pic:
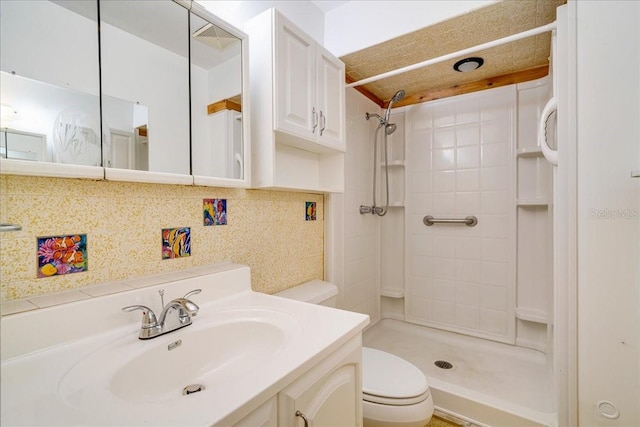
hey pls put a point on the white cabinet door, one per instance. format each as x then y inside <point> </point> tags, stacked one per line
<point>295,65</point>
<point>330,99</point>
<point>332,401</point>
<point>265,416</point>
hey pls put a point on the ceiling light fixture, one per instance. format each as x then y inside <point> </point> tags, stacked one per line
<point>468,64</point>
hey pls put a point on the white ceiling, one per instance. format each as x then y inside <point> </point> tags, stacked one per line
<point>327,5</point>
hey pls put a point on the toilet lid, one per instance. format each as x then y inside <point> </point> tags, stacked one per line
<point>389,376</point>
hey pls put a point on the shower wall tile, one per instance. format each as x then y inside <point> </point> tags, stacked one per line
<point>495,155</point>
<point>444,312</point>
<point>470,116</point>
<point>421,245</point>
<point>445,116</point>
<point>467,316</point>
<point>493,178</point>
<point>444,246</point>
<point>443,159</point>
<point>420,181</point>
<point>468,180</point>
<point>493,321</point>
<point>468,135</point>
<point>494,131</point>
<point>443,204</point>
<point>493,297</point>
<point>467,270</point>
<point>495,226</point>
<point>444,181</point>
<point>470,280</point>
<point>467,248</point>
<point>422,202</point>
<point>468,293</point>
<point>467,202</point>
<point>495,202</point>
<point>422,267</point>
<point>494,249</point>
<point>494,273</point>
<point>468,157</point>
<point>444,290</point>
<point>444,137</point>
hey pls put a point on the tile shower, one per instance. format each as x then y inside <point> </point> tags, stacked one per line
<point>475,155</point>
<point>461,278</point>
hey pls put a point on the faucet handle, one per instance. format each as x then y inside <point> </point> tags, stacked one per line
<point>193,292</point>
<point>149,319</point>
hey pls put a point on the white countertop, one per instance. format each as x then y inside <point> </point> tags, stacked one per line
<point>49,384</point>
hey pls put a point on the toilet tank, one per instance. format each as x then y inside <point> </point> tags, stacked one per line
<point>314,292</point>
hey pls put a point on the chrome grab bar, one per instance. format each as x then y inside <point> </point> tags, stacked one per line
<point>470,221</point>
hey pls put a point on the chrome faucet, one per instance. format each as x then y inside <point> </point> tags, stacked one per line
<point>175,315</point>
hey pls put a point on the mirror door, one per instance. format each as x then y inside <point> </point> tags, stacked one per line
<point>145,85</point>
<point>216,99</point>
<point>49,81</point>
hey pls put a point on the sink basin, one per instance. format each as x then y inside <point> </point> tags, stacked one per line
<point>209,354</point>
<point>199,357</point>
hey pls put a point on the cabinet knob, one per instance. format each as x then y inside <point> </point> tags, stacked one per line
<point>301,415</point>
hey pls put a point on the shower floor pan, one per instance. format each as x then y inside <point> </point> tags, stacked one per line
<point>490,383</point>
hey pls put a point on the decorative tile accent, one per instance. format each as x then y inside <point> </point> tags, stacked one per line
<point>58,255</point>
<point>114,214</point>
<point>176,242</point>
<point>214,211</point>
<point>310,211</point>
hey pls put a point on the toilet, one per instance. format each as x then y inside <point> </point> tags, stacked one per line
<point>395,393</point>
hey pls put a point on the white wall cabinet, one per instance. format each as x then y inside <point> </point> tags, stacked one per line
<point>309,87</point>
<point>298,109</point>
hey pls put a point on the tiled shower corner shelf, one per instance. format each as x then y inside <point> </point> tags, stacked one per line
<point>531,315</point>
<point>393,163</point>
<point>392,293</point>
<point>528,152</point>
<point>537,201</point>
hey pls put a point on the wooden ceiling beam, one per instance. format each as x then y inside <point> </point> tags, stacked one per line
<point>490,83</point>
<point>366,92</point>
<point>461,89</point>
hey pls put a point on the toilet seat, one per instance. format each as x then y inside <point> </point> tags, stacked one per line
<point>390,380</point>
<point>395,402</point>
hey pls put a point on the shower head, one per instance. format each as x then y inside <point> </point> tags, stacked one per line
<point>398,96</point>
<point>390,128</point>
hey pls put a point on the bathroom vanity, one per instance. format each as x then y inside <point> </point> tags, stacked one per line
<point>247,359</point>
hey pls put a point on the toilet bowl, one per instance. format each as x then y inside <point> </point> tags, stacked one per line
<point>395,393</point>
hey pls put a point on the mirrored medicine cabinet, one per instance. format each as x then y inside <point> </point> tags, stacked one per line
<point>153,91</point>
